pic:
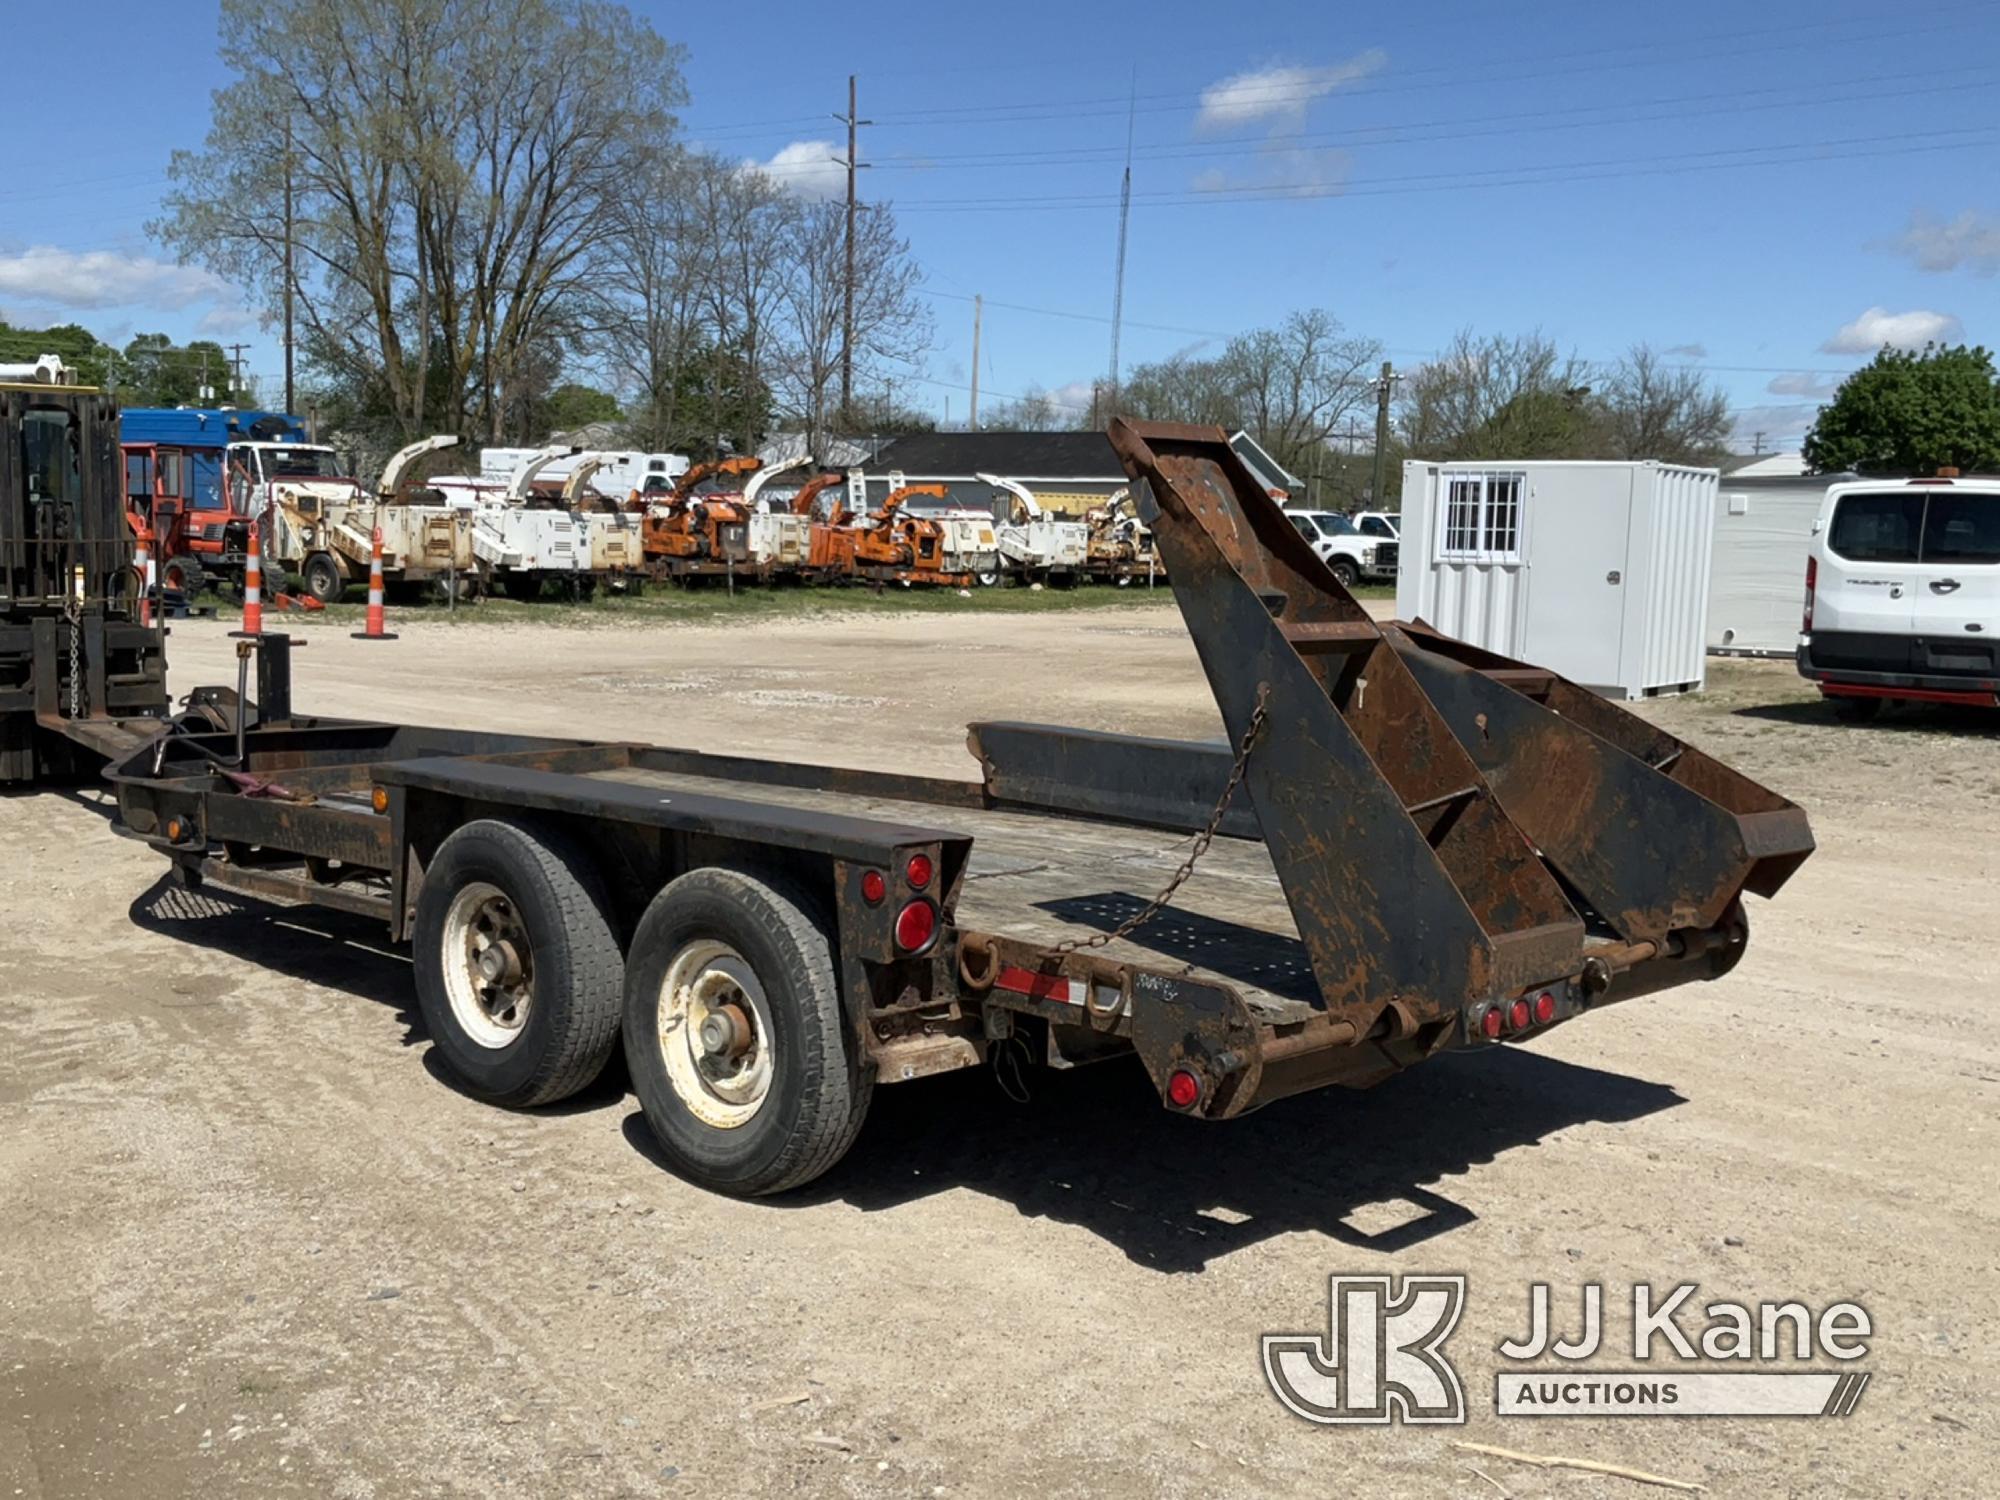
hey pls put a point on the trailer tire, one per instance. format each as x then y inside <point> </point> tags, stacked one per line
<point>532,897</point>
<point>716,941</point>
<point>324,579</point>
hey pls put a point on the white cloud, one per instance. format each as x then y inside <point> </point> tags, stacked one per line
<point>1076,396</point>
<point>1935,245</point>
<point>1805,383</point>
<point>1781,427</point>
<point>104,278</point>
<point>808,168</point>
<point>1280,93</point>
<point>227,320</point>
<point>1292,172</point>
<point>1904,330</point>
<point>1688,351</point>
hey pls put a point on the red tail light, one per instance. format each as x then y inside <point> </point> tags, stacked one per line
<point>919,870</point>
<point>1183,1089</point>
<point>1490,1024</point>
<point>1812,582</point>
<point>1518,1015</point>
<point>916,925</point>
<point>873,887</point>
<point>1545,1008</point>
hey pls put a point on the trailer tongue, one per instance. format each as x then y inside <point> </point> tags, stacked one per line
<point>1404,846</point>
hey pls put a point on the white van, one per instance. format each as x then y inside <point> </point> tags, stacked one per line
<point>1903,594</point>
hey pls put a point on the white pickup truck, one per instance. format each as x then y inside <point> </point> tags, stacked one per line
<point>1354,557</point>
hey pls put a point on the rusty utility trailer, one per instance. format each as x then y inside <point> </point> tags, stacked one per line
<point>1405,847</point>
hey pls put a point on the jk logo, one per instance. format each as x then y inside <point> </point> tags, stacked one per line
<point>1379,1360</point>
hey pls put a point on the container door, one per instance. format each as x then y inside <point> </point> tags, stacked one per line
<point>1579,578</point>
<point>1956,600</point>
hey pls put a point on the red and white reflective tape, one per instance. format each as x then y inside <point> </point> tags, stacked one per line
<point>375,622</point>
<point>1059,988</point>
<point>253,585</point>
<point>143,557</point>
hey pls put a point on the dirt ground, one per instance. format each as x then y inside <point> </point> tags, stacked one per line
<point>255,1245</point>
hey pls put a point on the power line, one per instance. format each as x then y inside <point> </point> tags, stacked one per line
<point>1447,74</point>
<point>1443,75</point>
<point>1504,177</point>
<point>1380,136</point>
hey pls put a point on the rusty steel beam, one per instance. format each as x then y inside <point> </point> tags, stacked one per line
<point>1409,884</point>
<point>1654,835</point>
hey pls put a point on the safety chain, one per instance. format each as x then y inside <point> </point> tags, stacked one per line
<point>1197,849</point>
<point>73,607</point>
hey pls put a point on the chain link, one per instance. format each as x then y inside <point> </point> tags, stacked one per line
<point>74,609</point>
<point>1251,732</point>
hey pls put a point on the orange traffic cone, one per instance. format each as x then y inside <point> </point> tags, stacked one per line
<point>374,632</point>
<point>142,563</point>
<point>253,586</point>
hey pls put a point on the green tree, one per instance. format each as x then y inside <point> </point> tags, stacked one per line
<point>570,406</point>
<point>155,371</point>
<point>75,345</point>
<point>1909,413</point>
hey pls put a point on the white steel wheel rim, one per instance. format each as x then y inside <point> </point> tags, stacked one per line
<point>489,969</point>
<point>715,1034</point>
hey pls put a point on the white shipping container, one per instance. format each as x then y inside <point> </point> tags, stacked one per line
<point>1598,571</point>
<point>1763,531</point>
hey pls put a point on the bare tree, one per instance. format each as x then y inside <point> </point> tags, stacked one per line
<point>1511,397</point>
<point>892,326</point>
<point>1181,388</point>
<point>448,198</point>
<point>1295,384</point>
<point>1498,397</point>
<point>1035,410</point>
<point>1653,411</point>
<point>1290,387</point>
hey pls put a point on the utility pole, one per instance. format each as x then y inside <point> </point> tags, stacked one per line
<point>853,164</point>
<point>1757,443</point>
<point>236,367</point>
<point>291,394</point>
<point>972,422</point>
<point>1383,387</point>
<point>1124,215</point>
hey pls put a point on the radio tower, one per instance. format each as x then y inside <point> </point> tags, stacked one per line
<point>1124,213</point>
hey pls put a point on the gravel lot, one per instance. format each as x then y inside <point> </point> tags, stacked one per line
<point>255,1245</point>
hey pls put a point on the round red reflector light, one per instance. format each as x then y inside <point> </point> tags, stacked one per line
<point>1517,1015</point>
<point>919,870</point>
<point>1183,1089</point>
<point>1490,1024</point>
<point>873,887</point>
<point>1545,1008</point>
<point>916,924</point>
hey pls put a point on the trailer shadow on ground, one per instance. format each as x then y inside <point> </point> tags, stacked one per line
<point>1093,1148</point>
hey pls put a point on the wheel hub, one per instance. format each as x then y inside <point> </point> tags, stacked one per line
<point>489,965</point>
<point>725,1033</point>
<point>715,1033</point>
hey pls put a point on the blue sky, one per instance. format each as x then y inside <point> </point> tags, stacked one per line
<point>1767,190</point>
